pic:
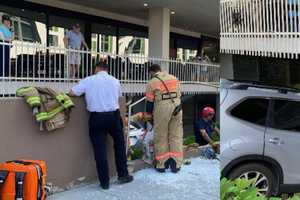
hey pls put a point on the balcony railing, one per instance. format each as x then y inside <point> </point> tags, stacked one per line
<point>260,27</point>
<point>24,64</point>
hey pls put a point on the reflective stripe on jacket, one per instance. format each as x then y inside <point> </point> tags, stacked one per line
<point>156,90</point>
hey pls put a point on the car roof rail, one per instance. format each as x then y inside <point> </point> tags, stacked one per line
<point>245,84</point>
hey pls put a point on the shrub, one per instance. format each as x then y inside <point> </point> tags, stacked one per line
<point>242,189</point>
<point>136,153</point>
<point>189,140</point>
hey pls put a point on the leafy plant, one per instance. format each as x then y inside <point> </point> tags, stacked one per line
<point>189,140</point>
<point>136,153</point>
<point>242,189</point>
<point>215,136</point>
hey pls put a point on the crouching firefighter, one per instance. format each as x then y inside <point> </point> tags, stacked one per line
<point>163,102</point>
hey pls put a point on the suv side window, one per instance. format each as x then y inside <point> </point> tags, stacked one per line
<point>286,115</point>
<point>253,110</point>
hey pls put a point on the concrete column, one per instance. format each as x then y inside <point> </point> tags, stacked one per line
<point>159,32</point>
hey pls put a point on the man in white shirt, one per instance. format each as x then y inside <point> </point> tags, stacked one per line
<point>74,41</point>
<point>102,92</point>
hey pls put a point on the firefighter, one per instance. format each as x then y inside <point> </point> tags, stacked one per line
<point>164,104</point>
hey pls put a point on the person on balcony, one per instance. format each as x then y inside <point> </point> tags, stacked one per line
<point>74,41</point>
<point>102,92</point>
<point>6,37</point>
<point>164,103</point>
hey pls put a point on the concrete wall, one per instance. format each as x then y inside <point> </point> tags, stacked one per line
<point>226,63</point>
<point>68,152</point>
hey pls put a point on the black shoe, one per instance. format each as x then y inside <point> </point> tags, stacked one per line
<point>105,186</point>
<point>167,163</point>
<point>176,170</point>
<point>125,179</point>
<point>173,166</point>
<point>160,170</point>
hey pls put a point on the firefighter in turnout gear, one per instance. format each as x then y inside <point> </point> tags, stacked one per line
<point>163,102</point>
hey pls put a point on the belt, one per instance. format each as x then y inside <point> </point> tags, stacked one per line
<point>104,113</point>
<point>167,96</point>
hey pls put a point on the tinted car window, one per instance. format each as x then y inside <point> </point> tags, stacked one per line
<point>252,110</point>
<point>286,115</point>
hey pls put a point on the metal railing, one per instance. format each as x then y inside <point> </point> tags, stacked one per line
<point>260,27</point>
<point>27,63</point>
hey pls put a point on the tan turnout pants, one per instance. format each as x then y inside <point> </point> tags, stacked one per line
<point>168,138</point>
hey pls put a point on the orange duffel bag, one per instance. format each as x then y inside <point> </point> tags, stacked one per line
<point>23,180</point>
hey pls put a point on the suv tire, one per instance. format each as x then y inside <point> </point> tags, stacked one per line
<point>267,182</point>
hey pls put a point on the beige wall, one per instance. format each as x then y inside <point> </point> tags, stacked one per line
<point>67,151</point>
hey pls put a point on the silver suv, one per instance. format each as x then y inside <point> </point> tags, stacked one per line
<point>260,135</point>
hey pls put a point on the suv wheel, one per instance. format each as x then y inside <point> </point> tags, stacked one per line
<point>265,181</point>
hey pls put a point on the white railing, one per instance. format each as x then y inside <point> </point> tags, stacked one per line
<point>34,64</point>
<point>260,27</point>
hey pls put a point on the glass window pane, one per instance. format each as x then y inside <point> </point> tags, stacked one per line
<point>186,54</point>
<point>286,115</point>
<point>27,33</point>
<point>132,42</point>
<point>16,30</point>
<point>105,38</point>
<point>210,48</point>
<point>252,110</point>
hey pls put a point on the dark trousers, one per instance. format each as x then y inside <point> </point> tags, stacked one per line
<point>4,60</point>
<point>100,124</point>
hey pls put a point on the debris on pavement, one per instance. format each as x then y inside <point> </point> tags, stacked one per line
<point>200,180</point>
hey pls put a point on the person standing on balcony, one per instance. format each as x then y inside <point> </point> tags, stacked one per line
<point>164,103</point>
<point>6,37</point>
<point>102,92</point>
<point>74,41</point>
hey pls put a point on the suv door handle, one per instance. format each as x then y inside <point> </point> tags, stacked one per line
<point>276,141</point>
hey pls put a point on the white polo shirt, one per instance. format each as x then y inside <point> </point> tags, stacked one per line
<point>102,92</point>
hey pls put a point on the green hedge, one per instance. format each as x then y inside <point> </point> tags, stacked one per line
<point>242,189</point>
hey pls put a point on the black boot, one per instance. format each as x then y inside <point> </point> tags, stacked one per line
<point>173,166</point>
<point>167,163</point>
<point>125,179</point>
<point>105,186</point>
<point>160,170</point>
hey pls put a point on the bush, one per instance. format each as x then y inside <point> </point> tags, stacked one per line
<point>215,136</point>
<point>136,153</point>
<point>189,140</point>
<point>242,189</point>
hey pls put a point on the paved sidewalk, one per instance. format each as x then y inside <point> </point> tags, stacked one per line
<point>198,181</point>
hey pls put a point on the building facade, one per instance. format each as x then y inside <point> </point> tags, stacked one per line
<point>260,40</point>
<point>129,43</point>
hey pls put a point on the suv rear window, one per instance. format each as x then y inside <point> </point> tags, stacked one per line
<point>253,110</point>
<point>286,115</point>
